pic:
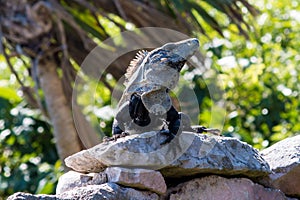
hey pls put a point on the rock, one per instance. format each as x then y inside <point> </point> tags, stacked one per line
<point>84,161</point>
<point>187,154</point>
<point>137,178</point>
<point>216,187</point>
<point>99,178</point>
<point>74,179</point>
<point>70,180</point>
<point>144,179</point>
<point>107,191</point>
<point>284,160</point>
<point>27,196</point>
<point>218,155</point>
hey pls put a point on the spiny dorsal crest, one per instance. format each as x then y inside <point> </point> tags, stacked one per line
<point>134,64</point>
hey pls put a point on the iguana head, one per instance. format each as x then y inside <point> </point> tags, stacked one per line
<point>172,55</point>
<point>162,65</point>
<point>151,74</point>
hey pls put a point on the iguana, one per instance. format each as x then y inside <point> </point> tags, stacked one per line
<point>146,104</point>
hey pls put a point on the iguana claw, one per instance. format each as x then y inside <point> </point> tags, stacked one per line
<point>170,136</point>
<point>115,137</point>
<point>203,129</point>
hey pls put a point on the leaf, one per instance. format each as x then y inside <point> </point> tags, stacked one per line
<point>9,94</point>
<point>206,17</point>
<point>45,186</point>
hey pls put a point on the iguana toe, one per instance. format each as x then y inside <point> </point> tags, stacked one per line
<point>203,129</point>
<point>115,137</point>
<point>170,136</point>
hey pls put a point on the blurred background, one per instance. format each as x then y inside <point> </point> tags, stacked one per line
<point>249,50</point>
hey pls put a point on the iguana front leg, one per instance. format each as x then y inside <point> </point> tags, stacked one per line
<point>117,133</point>
<point>118,129</point>
<point>173,120</point>
<point>178,121</point>
<point>135,110</point>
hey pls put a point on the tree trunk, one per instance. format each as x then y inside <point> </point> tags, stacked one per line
<point>67,141</point>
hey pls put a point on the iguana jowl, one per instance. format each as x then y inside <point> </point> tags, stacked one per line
<point>145,104</point>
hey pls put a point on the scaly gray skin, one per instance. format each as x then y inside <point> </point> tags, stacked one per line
<point>145,104</point>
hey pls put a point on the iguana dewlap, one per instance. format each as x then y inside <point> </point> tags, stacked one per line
<point>145,104</point>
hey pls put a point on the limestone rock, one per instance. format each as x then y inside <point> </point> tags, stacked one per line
<point>218,155</point>
<point>84,161</point>
<point>284,160</point>
<point>27,196</point>
<point>187,154</point>
<point>144,179</point>
<point>107,191</point>
<point>216,187</point>
<point>73,179</point>
<point>99,178</point>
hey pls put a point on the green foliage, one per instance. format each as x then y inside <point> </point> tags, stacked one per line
<point>28,157</point>
<point>260,76</point>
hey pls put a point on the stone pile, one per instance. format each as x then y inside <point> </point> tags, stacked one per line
<point>192,166</point>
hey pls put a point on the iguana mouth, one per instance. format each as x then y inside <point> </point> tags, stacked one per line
<point>178,53</point>
<point>183,49</point>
